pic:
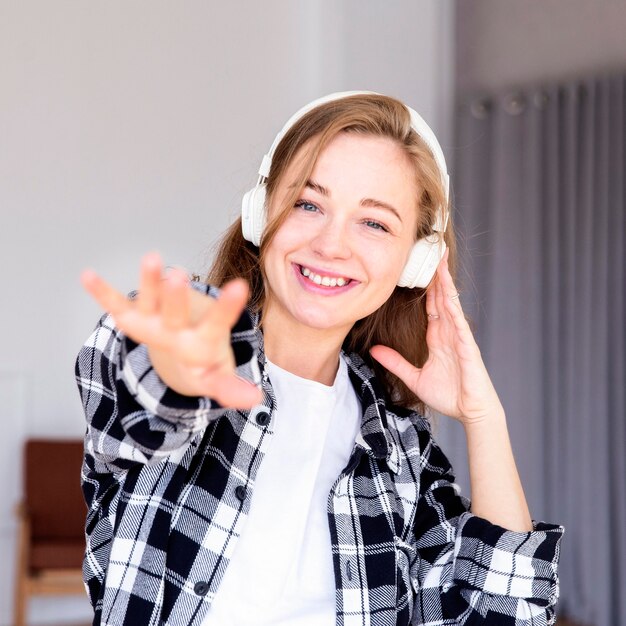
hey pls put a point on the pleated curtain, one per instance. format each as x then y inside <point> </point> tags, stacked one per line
<point>539,192</point>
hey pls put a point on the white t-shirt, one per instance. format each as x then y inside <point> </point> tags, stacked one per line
<point>282,572</point>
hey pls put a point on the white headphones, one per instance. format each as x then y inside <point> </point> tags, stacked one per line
<point>425,254</point>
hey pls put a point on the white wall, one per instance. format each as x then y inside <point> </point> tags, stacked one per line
<point>131,126</point>
<point>503,43</point>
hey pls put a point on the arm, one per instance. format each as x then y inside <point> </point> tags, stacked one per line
<point>138,411</point>
<point>455,382</point>
<point>470,569</point>
<point>492,560</point>
<point>497,493</point>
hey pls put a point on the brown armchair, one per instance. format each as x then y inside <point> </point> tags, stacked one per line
<point>51,517</point>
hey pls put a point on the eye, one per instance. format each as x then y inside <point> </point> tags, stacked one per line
<point>376,225</point>
<point>305,205</point>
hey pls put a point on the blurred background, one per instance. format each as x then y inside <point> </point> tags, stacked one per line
<point>133,126</point>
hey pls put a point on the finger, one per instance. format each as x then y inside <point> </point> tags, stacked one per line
<point>431,306</point>
<point>105,295</point>
<point>396,364</point>
<point>175,300</point>
<point>231,302</point>
<point>454,309</point>
<point>440,304</point>
<point>234,392</point>
<point>149,281</point>
<point>445,304</point>
<point>450,291</point>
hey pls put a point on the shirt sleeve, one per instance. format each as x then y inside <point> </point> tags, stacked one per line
<point>472,571</point>
<point>132,416</point>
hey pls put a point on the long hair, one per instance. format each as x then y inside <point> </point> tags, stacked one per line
<point>400,322</point>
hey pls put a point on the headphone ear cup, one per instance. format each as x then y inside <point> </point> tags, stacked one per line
<point>422,262</point>
<point>253,214</point>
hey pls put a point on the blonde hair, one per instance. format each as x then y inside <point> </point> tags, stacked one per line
<point>401,321</point>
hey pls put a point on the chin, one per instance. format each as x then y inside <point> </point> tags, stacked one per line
<point>322,320</point>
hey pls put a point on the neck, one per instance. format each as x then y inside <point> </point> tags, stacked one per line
<point>306,352</point>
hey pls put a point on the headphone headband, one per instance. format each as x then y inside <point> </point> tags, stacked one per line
<point>417,124</point>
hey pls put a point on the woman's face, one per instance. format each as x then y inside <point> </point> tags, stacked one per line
<point>339,254</point>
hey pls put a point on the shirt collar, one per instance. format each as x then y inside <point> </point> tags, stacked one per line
<point>374,435</point>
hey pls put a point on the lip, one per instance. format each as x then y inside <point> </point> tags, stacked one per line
<point>322,272</point>
<point>312,287</point>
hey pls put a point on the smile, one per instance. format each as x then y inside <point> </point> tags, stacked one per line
<point>325,281</point>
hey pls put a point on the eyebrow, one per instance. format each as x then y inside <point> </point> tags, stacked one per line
<point>366,202</point>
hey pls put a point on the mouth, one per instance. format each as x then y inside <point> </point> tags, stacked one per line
<point>324,280</point>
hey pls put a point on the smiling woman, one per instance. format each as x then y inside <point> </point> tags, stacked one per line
<point>260,453</point>
<point>421,181</point>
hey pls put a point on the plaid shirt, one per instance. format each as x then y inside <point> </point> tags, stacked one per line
<point>168,480</point>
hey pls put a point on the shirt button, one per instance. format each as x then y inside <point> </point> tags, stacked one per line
<point>240,492</point>
<point>379,445</point>
<point>263,418</point>
<point>201,588</point>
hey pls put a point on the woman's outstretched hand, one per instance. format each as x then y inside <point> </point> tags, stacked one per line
<point>186,332</point>
<point>454,380</point>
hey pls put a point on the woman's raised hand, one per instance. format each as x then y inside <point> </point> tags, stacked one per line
<point>454,380</point>
<point>186,332</point>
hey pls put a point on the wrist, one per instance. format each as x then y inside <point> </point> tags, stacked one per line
<point>492,417</point>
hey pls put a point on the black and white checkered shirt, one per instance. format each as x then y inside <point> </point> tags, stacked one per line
<point>168,480</point>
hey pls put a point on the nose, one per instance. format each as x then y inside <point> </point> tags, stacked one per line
<point>332,241</point>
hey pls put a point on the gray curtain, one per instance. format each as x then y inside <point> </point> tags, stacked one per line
<point>539,192</point>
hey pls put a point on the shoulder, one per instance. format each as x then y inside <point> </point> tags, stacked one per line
<point>399,417</point>
<point>408,427</point>
<point>414,431</point>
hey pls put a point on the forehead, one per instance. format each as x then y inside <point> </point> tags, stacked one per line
<point>364,164</point>
<point>367,152</point>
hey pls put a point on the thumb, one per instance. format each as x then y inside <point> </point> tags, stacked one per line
<point>234,392</point>
<point>396,364</point>
<point>232,301</point>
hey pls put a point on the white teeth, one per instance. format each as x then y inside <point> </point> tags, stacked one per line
<point>326,281</point>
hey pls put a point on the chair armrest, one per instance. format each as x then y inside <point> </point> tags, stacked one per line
<point>20,510</point>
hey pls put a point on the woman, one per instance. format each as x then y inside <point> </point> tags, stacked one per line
<point>261,455</point>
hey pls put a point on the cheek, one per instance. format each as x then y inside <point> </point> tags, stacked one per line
<point>275,257</point>
<point>288,235</point>
<point>389,262</point>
